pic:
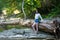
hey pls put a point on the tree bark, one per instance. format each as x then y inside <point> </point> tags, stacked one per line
<point>23,9</point>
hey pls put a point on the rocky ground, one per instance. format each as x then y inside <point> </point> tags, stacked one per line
<point>23,33</point>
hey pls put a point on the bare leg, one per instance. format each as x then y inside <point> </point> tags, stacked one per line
<point>33,27</point>
<point>37,27</point>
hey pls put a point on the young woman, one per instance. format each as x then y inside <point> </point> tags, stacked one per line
<point>37,16</point>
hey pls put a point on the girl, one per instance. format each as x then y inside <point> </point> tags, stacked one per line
<point>37,16</point>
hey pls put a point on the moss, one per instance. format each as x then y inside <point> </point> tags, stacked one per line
<point>16,26</point>
<point>1,29</point>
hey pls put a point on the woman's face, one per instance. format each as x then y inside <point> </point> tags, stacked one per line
<point>36,11</point>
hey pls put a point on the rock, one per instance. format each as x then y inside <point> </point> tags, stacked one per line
<point>18,33</point>
<point>16,36</point>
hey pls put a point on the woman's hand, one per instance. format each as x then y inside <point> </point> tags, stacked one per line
<point>42,20</point>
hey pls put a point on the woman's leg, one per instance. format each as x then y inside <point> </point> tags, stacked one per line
<point>33,27</point>
<point>37,27</point>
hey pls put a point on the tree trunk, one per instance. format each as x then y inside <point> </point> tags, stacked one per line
<point>23,9</point>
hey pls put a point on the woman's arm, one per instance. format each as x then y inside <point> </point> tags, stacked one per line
<point>40,17</point>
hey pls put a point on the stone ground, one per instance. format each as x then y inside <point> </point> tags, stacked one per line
<point>23,33</point>
<point>23,39</point>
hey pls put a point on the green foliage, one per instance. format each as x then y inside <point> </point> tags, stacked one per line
<point>54,12</point>
<point>50,7</point>
<point>11,5</point>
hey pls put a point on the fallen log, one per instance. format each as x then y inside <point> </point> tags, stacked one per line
<point>46,26</point>
<point>49,26</point>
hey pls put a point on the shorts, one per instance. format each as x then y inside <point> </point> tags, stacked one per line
<point>36,20</point>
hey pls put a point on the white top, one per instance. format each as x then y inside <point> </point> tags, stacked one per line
<point>37,16</point>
